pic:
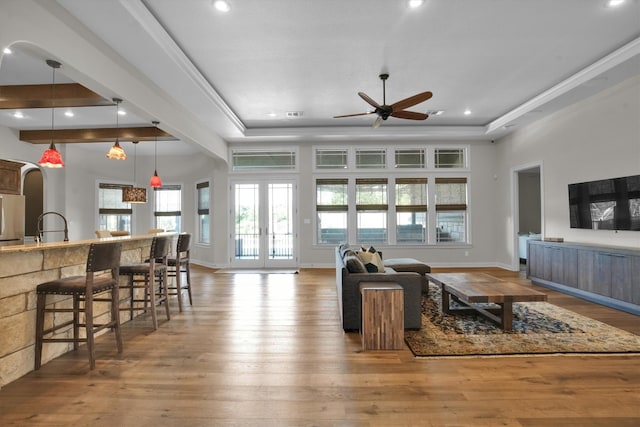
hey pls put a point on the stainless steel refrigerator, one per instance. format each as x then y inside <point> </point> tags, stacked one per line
<point>11,219</point>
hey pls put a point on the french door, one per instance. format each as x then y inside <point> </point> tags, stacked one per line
<point>263,233</point>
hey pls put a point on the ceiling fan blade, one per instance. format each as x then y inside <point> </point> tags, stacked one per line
<point>412,100</point>
<point>368,99</point>
<point>378,122</point>
<point>354,115</point>
<point>411,115</point>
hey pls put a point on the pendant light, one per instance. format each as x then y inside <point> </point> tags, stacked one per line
<point>155,182</point>
<point>116,152</point>
<point>51,158</point>
<point>134,194</point>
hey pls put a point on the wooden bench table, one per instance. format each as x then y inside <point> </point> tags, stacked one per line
<point>471,289</point>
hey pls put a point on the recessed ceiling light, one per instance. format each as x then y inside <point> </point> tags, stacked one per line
<point>271,114</point>
<point>122,112</point>
<point>7,51</point>
<point>18,115</point>
<point>221,6</point>
<point>467,112</point>
<point>614,3</point>
<point>69,113</point>
<point>294,114</point>
<point>435,112</point>
<point>415,3</point>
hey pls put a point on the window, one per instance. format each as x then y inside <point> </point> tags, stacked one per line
<point>113,213</point>
<point>451,207</point>
<point>168,207</point>
<point>331,159</point>
<point>331,207</point>
<point>263,160</point>
<point>202,191</point>
<point>410,158</point>
<point>371,209</point>
<point>371,159</point>
<point>411,210</point>
<point>449,158</point>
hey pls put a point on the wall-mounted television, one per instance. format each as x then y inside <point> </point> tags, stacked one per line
<point>606,204</point>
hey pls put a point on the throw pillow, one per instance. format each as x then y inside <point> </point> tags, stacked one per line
<point>354,264</point>
<point>371,261</point>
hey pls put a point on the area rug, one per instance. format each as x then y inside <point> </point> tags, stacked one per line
<point>538,328</point>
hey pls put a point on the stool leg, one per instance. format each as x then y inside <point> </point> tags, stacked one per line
<point>150,288</point>
<point>178,286</point>
<point>40,304</point>
<point>115,316</point>
<point>187,269</point>
<point>88,322</point>
<point>76,321</point>
<point>165,291</point>
<point>131,295</point>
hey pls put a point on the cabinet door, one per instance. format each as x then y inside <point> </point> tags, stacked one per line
<point>603,273</point>
<point>568,275</point>
<point>535,260</point>
<point>634,267</point>
<point>621,277</point>
<point>586,270</point>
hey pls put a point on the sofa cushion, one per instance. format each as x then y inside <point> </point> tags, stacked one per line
<point>354,264</point>
<point>408,264</point>
<point>371,261</point>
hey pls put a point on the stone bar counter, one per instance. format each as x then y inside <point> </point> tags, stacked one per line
<point>22,269</point>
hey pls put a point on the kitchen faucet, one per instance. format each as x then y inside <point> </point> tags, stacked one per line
<point>41,231</point>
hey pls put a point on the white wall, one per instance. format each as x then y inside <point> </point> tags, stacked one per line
<point>595,139</point>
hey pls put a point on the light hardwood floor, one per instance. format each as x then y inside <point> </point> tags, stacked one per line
<point>268,350</point>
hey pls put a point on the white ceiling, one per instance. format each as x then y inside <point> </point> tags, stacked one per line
<point>508,62</point>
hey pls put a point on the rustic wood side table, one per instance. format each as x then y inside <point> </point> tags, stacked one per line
<point>382,316</point>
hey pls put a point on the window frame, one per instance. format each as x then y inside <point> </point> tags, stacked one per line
<point>178,214</point>
<point>112,211</point>
<point>202,237</point>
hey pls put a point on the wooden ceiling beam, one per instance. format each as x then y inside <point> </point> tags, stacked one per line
<point>75,136</point>
<point>40,96</point>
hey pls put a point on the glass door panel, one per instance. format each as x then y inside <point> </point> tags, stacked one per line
<point>264,224</point>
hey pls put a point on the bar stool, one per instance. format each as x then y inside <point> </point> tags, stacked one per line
<point>179,264</point>
<point>102,257</point>
<point>156,266</point>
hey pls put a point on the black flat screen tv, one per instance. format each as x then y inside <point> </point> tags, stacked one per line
<point>606,204</point>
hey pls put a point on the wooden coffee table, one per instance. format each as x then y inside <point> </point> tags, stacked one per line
<point>471,289</point>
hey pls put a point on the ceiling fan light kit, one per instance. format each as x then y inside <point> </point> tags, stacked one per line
<point>396,109</point>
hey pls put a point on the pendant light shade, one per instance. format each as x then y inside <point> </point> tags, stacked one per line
<point>116,152</point>
<point>155,181</point>
<point>134,194</point>
<point>51,158</point>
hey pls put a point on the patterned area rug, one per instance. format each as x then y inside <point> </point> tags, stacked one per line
<point>538,328</point>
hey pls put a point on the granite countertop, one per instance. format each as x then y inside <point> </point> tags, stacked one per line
<point>74,243</point>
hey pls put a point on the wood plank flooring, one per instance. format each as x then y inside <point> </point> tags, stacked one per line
<point>268,350</point>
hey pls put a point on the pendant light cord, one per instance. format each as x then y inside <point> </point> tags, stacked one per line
<point>53,103</point>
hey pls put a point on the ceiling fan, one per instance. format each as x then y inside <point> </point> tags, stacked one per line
<point>396,109</point>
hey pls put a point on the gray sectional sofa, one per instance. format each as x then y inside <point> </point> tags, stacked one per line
<point>350,271</point>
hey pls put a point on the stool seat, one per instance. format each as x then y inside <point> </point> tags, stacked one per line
<point>142,268</point>
<point>75,285</point>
